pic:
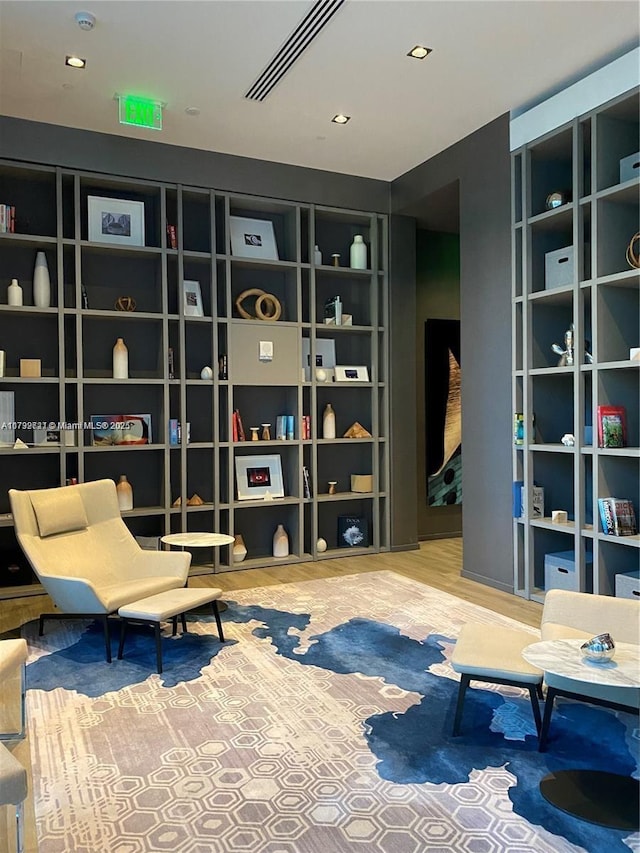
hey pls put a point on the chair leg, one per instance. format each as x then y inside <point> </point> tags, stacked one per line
<point>107,639</point>
<point>216,613</point>
<point>464,683</point>
<point>124,624</point>
<point>535,706</point>
<point>546,720</point>
<point>174,625</point>
<point>539,691</point>
<point>41,625</point>
<point>20,828</point>
<point>158,646</point>
<point>183,620</point>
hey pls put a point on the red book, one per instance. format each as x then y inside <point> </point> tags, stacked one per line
<point>240,428</point>
<point>234,427</point>
<point>612,426</point>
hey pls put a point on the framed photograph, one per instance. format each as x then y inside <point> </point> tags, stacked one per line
<point>351,373</point>
<point>253,238</point>
<point>325,358</point>
<point>115,220</point>
<point>109,430</point>
<point>192,299</point>
<point>259,477</point>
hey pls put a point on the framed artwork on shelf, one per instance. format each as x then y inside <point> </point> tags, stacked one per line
<point>115,220</point>
<point>108,430</point>
<point>192,299</point>
<point>612,426</point>
<point>351,373</point>
<point>259,477</point>
<point>253,238</point>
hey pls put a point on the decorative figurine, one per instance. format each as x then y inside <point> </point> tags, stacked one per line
<point>254,433</point>
<point>568,440</point>
<point>266,432</point>
<point>566,354</point>
<point>332,486</point>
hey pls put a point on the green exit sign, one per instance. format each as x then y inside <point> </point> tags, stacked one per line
<point>141,112</point>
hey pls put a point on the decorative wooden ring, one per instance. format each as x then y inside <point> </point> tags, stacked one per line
<point>125,303</point>
<point>267,306</point>
<point>272,305</point>
<point>633,256</point>
<point>242,311</point>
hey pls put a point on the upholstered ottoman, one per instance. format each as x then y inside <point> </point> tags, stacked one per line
<point>13,659</point>
<point>494,654</point>
<point>13,790</point>
<point>164,606</point>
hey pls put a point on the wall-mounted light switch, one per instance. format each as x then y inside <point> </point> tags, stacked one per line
<point>266,351</point>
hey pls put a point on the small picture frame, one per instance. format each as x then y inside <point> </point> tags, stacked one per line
<point>115,220</point>
<point>259,477</point>
<point>192,299</point>
<point>351,373</point>
<point>253,238</point>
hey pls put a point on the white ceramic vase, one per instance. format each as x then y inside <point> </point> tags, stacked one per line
<point>317,256</point>
<point>328,422</point>
<point>14,293</point>
<point>358,253</point>
<point>41,282</point>
<point>239,549</point>
<point>120,360</point>
<point>280,542</point>
<point>125,494</point>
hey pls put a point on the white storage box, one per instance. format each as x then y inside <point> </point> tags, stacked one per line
<point>560,570</point>
<point>559,268</point>
<point>630,167</point>
<point>628,585</point>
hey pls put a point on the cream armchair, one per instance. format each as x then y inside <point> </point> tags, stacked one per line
<point>579,616</point>
<point>84,555</point>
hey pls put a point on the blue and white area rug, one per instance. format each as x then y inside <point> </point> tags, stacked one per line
<point>323,725</point>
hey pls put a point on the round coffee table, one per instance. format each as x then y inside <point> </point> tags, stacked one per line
<point>597,796</point>
<point>199,540</point>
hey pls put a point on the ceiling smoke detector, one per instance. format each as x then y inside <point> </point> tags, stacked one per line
<point>85,20</point>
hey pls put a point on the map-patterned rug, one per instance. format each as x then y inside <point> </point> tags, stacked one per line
<point>322,725</point>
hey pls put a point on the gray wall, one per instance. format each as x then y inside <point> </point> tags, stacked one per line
<point>481,163</point>
<point>437,298</point>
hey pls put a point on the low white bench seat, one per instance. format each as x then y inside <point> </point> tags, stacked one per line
<point>493,653</point>
<point>165,606</point>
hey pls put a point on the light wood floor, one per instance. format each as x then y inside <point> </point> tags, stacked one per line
<point>437,564</point>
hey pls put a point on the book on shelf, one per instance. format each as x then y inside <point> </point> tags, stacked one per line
<point>222,367</point>
<point>290,428</point>
<point>617,517</point>
<point>281,428</point>
<point>612,426</point>
<point>306,427</point>
<point>537,501</point>
<point>238,428</point>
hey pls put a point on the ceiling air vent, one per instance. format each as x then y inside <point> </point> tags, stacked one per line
<point>295,45</point>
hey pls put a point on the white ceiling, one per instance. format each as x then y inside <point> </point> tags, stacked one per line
<point>488,58</point>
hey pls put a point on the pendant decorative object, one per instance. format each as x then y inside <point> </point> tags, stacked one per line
<point>280,542</point>
<point>125,494</point>
<point>328,422</point>
<point>358,253</point>
<point>14,293</point>
<point>41,282</point>
<point>120,360</point>
<point>239,549</point>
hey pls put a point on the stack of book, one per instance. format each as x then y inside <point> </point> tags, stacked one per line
<point>7,219</point>
<point>285,428</point>
<point>617,516</point>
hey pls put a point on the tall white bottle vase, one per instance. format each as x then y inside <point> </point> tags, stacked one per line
<point>358,253</point>
<point>124,492</point>
<point>280,542</point>
<point>328,422</point>
<point>120,360</point>
<point>41,282</point>
<point>317,256</point>
<point>14,293</point>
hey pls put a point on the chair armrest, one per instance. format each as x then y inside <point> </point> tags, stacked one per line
<point>72,595</point>
<point>169,564</point>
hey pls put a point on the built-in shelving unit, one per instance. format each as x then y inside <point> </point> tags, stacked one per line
<point>595,224</point>
<point>74,341</point>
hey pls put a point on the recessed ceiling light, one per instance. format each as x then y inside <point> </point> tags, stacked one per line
<point>340,119</point>
<point>192,111</point>
<point>75,62</point>
<point>419,52</point>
